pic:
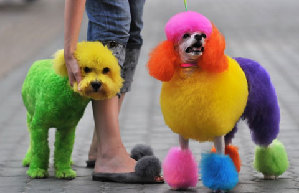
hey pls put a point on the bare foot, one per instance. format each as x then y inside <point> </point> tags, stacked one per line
<point>119,162</point>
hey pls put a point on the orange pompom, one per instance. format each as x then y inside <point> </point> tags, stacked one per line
<point>233,153</point>
<point>162,61</point>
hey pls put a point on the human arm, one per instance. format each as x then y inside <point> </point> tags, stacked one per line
<point>73,15</point>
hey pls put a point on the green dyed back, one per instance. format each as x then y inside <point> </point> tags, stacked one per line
<point>49,99</point>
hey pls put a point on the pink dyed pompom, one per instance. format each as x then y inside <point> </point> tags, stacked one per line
<point>180,168</point>
<point>188,21</point>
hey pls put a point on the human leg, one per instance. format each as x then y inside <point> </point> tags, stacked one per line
<point>92,154</point>
<point>112,156</point>
<point>134,44</point>
<point>119,52</point>
<point>109,22</point>
<point>136,11</point>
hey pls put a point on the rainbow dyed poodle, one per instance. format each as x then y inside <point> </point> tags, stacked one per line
<point>204,94</point>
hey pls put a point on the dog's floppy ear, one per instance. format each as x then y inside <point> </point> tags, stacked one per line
<point>59,63</point>
<point>213,58</point>
<point>161,64</point>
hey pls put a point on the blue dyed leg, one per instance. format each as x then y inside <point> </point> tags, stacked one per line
<point>218,171</point>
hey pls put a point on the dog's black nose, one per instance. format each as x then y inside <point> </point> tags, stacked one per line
<point>197,44</point>
<point>96,85</point>
<point>198,37</point>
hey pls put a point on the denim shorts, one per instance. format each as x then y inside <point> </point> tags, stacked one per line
<point>118,24</point>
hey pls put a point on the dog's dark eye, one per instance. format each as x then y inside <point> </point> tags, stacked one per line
<point>87,70</point>
<point>106,70</point>
<point>186,36</point>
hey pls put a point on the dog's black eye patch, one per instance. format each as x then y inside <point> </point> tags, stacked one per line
<point>204,35</point>
<point>185,36</point>
<point>106,70</point>
<point>87,70</point>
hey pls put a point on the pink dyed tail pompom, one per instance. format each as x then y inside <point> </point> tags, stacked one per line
<point>180,169</point>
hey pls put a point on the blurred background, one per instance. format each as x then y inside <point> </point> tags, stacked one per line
<point>266,31</point>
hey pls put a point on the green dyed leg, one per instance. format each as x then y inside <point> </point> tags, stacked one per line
<point>27,159</point>
<point>39,152</point>
<point>64,141</point>
<point>272,161</point>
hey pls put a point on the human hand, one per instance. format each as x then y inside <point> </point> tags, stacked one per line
<point>73,70</point>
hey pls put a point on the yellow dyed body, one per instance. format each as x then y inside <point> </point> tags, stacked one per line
<point>202,105</point>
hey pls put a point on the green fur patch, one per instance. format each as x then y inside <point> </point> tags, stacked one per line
<point>272,160</point>
<point>50,103</point>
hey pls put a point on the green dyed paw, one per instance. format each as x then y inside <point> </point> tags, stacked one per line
<point>65,174</point>
<point>26,161</point>
<point>272,161</point>
<point>37,173</point>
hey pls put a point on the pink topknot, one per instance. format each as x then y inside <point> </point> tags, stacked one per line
<point>188,21</point>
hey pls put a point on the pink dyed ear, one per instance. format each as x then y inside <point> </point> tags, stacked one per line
<point>161,64</point>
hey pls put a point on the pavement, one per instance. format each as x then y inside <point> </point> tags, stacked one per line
<point>266,31</point>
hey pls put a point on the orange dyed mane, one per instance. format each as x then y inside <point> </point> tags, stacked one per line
<point>164,59</point>
<point>213,58</point>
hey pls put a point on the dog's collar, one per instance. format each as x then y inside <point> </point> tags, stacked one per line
<point>185,65</point>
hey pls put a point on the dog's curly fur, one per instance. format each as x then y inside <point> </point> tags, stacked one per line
<point>52,103</point>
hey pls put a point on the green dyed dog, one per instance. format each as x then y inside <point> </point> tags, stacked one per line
<point>52,103</point>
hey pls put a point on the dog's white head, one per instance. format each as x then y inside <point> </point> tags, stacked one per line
<point>191,46</point>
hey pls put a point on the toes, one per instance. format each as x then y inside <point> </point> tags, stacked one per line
<point>65,174</point>
<point>26,163</point>
<point>37,173</point>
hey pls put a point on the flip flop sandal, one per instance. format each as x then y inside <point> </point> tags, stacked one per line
<point>127,178</point>
<point>137,152</point>
<point>147,171</point>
